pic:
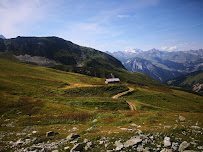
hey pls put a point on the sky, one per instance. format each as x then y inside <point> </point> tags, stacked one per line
<point>108,25</point>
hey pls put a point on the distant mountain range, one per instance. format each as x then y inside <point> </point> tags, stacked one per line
<point>161,65</point>
<point>1,36</point>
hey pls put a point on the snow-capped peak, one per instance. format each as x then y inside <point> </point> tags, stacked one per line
<point>133,51</point>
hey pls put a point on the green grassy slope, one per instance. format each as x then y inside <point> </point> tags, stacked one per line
<point>33,90</point>
<point>187,81</point>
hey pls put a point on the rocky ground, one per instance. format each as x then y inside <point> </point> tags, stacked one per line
<point>132,138</point>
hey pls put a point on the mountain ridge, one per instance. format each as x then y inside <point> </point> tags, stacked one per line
<point>169,64</point>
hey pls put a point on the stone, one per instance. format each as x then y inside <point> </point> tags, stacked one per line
<point>189,151</point>
<point>119,145</point>
<point>72,136</point>
<point>166,150</point>
<point>95,120</point>
<point>196,127</point>
<point>34,132</point>
<point>167,142</point>
<point>139,132</point>
<point>183,146</point>
<point>85,140</point>
<point>174,146</point>
<point>132,142</point>
<point>89,145</point>
<point>78,147</point>
<point>106,145</point>
<point>140,148</point>
<point>200,147</point>
<point>66,148</point>
<point>101,142</point>
<point>75,129</point>
<point>19,142</point>
<point>27,141</point>
<point>54,151</point>
<point>181,118</point>
<point>50,133</point>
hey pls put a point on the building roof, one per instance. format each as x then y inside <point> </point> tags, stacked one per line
<point>112,79</point>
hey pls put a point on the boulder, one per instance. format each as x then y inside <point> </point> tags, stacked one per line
<point>167,142</point>
<point>174,146</point>
<point>119,145</point>
<point>95,120</point>
<point>78,147</point>
<point>50,133</point>
<point>89,145</point>
<point>72,136</point>
<point>183,146</point>
<point>132,142</point>
<point>196,127</point>
<point>181,118</point>
<point>19,142</point>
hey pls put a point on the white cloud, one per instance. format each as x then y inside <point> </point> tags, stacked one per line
<point>166,48</point>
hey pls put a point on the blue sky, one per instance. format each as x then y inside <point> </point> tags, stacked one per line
<point>108,25</point>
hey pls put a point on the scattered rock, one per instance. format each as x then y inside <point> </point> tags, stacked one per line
<point>183,146</point>
<point>78,147</point>
<point>95,120</point>
<point>195,127</point>
<point>139,132</point>
<point>200,147</point>
<point>101,142</point>
<point>106,145</point>
<point>91,128</point>
<point>19,142</point>
<point>51,133</point>
<point>174,146</point>
<point>85,140</point>
<point>119,145</point>
<point>66,148</point>
<point>167,142</point>
<point>72,136</point>
<point>181,118</point>
<point>89,145</point>
<point>75,129</point>
<point>132,142</point>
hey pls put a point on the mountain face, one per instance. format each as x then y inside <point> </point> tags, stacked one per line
<point>2,37</point>
<point>162,65</point>
<point>144,66</point>
<point>192,81</point>
<point>59,51</point>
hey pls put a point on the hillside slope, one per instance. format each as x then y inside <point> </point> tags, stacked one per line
<point>37,101</point>
<point>63,55</point>
<point>58,50</point>
<point>192,81</point>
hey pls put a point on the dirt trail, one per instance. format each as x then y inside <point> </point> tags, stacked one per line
<point>131,105</point>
